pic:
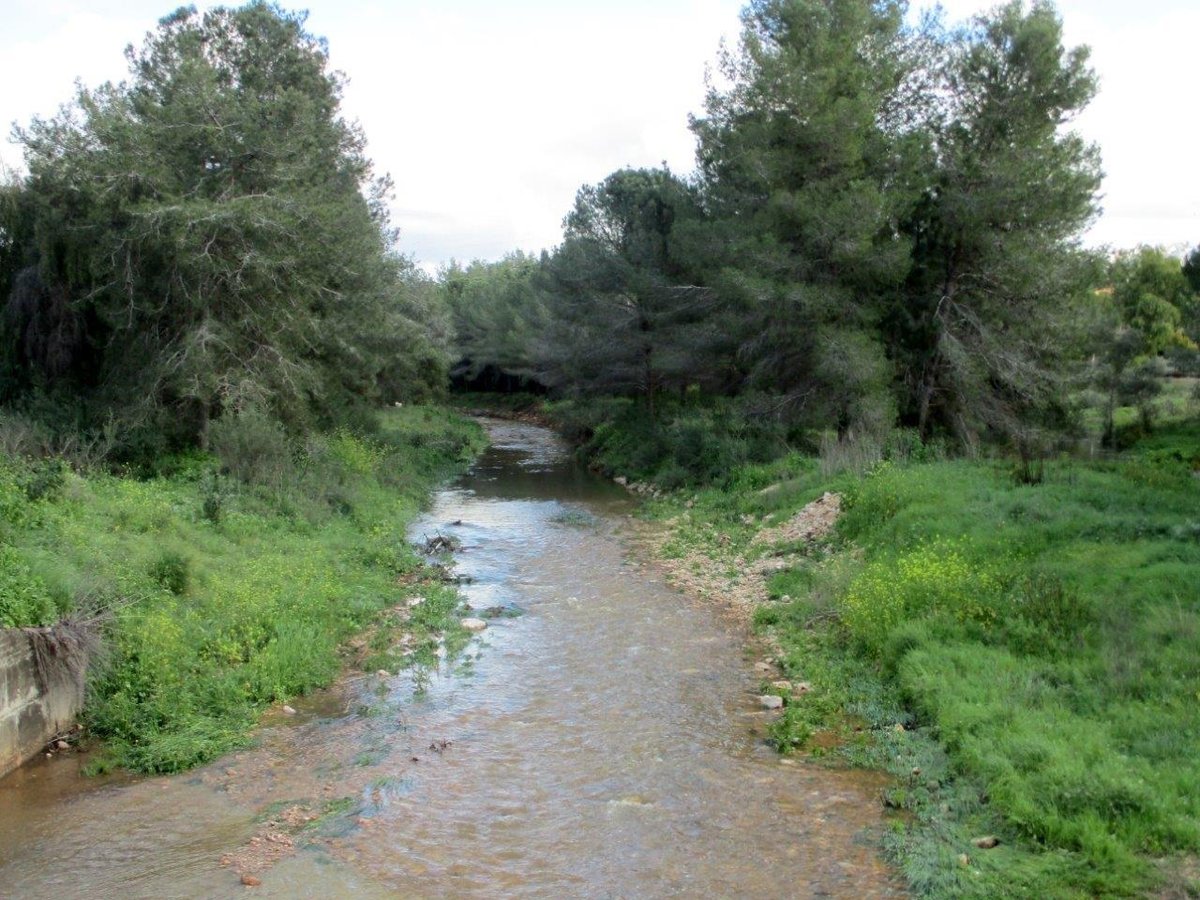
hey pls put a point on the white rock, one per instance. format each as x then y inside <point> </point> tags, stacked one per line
<point>770,701</point>
<point>415,601</point>
<point>473,624</point>
<point>288,711</point>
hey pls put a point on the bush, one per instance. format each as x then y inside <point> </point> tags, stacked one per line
<point>172,571</point>
<point>935,578</point>
<point>253,447</point>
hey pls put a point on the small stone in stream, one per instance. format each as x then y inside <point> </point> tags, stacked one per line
<point>770,701</point>
<point>231,772</point>
<point>986,843</point>
<point>473,624</point>
<point>61,745</point>
<point>288,711</point>
<point>781,685</point>
<point>251,881</point>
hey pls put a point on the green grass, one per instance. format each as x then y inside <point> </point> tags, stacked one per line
<point>1025,659</point>
<point>218,597</point>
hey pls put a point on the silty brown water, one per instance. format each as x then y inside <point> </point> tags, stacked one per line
<point>606,743</point>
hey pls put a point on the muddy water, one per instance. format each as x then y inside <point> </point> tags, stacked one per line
<point>604,743</point>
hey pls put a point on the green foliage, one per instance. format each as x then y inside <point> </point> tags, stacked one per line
<point>499,317</point>
<point>255,608</point>
<point>252,446</point>
<point>683,444</point>
<point>1152,293</point>
<point>1020,657</point>
<point>882,230</point>
<point>172,571</point>
<point>24,598</point>
<point>206,239</point>
<point>626,316</point>
<point>933,579</point>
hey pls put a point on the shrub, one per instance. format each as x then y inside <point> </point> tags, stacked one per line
<point>870,501</point>
<point>172,571</point>
<point>252,447</point>
<point>935,578</point>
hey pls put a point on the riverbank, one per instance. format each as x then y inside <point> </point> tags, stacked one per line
<point>1015,645</point>
<point>218,588</point>
<point>602,736</point>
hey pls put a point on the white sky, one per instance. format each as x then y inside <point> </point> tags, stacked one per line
<point>489,116</point>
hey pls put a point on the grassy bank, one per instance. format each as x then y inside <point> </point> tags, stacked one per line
<point>222,585</point>
<point>1021,656</point>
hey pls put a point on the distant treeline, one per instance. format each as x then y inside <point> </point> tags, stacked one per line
<point>204,240</point>
<point>883,229</point>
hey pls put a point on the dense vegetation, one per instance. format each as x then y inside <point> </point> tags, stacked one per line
<point>883,230</point>
<point>217,594</point>
<point>1014,643</point>
<point>206,240</point>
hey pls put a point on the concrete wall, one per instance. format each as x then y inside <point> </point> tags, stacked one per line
<point>31,712</point>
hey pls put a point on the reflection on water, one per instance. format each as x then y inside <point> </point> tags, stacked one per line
<point>599,745</point>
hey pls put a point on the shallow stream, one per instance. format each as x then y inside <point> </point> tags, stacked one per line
<point>606,742</point>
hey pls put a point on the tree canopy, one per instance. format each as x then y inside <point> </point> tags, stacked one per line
<point>209,236</point>
<point>883,228</point>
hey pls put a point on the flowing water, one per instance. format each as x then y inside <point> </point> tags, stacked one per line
<point>604,743</point>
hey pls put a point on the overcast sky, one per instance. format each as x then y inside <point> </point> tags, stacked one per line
<point>489,116</point>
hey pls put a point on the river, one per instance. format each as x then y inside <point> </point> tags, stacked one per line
<point>605,742</point>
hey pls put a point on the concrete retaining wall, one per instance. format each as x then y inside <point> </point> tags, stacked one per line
<point>34,706</point>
